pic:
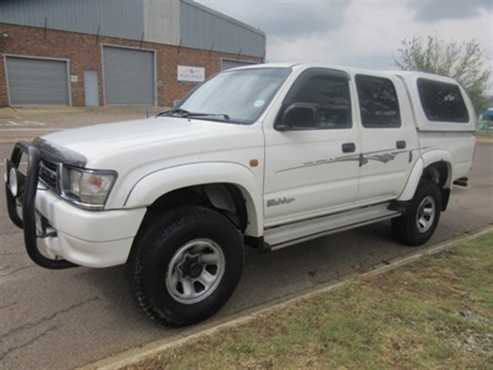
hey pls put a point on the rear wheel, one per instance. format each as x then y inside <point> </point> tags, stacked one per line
<point>186,266</point>
<point>418,223</point>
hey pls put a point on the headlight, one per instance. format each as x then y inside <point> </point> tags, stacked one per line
<point>87,188</point>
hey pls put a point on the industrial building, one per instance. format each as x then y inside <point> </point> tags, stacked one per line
<point>116,52</point>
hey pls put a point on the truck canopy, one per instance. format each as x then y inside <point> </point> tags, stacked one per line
<point>439,103</point>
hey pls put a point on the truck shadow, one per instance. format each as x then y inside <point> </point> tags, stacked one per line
<point>271,276</point>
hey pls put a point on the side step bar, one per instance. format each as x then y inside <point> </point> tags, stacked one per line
<point>285,235</point>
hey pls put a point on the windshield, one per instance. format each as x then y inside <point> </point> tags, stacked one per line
<point>239,96</point>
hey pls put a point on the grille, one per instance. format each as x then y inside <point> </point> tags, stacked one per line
<point>48,173</point>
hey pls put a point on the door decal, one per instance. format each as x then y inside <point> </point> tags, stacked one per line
<point>382,156</point>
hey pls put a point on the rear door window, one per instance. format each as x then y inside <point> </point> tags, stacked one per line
<point>379,105</point>
<point>442,102</point>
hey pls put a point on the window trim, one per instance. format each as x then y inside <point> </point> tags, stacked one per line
<point>419,82</point>
<point>296,86</point>
<point>373,125</point>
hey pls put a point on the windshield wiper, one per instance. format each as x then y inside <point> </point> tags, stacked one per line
<point>172,112</point>
<point>187,114</point>
<point>225,116</point>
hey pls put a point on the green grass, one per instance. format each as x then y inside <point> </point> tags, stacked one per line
<point>485,133</point>
<point>434,314</point>
<point>485,137</point>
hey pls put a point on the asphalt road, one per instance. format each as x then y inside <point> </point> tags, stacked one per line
<point>64,319</point>
<point>25,123</point>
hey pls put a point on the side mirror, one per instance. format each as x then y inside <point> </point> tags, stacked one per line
<point>298,116</point>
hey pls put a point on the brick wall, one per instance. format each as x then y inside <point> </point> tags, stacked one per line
<point>84,53</point>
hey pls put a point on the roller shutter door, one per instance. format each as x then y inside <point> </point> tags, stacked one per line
<point>37,81</point>
<point>229,63</point>
<point>128,76</point>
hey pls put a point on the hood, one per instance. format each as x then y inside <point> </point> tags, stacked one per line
<point>151,138</point>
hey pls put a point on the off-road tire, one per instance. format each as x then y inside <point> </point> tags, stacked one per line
<point>153,251</point>
<point>405,228</point>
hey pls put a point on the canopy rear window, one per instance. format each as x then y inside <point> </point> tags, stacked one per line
<point>442,102</point>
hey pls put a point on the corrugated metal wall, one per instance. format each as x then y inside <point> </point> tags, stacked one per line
<point>162,21</point>
<point>119,18</point>
<point>203,28</point>
<point>228,64</point>
<point>172,22</point>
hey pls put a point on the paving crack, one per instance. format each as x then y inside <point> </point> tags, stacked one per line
<point>7,306</point>
<point>10,233</point>
<point>10,253</point>
<point>28,343</point>
<point>12,272</point>
<point>44,319</point>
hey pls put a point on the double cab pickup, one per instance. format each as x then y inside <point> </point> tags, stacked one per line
<point>266,156</point>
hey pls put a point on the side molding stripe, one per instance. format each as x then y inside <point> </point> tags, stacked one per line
<point>382,156</point>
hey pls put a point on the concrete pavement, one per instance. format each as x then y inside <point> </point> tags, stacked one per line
<point>26,123</point>
<point>63,319</point>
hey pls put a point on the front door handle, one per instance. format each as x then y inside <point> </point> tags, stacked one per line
<point>401,144</point>
<point>348,148</point>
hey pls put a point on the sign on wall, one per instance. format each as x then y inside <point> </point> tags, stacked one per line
<point>191,74</point>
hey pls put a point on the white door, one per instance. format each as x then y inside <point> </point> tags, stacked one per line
<point>91,89</point>
<point>312,163</point>
<point>388,138</point>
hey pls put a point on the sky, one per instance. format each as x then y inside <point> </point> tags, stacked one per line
<point>362,33</point>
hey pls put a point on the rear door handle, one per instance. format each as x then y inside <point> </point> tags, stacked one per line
<point>401,144</point>
<point>348,148</point>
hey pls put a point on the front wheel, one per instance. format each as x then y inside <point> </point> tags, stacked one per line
<point>418,223</point>
<point>186,266</point>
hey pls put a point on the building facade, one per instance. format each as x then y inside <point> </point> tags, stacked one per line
<point>115,52</point>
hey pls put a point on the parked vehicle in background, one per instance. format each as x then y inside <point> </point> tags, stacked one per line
<point>486,121</point>
<point>268,156</point>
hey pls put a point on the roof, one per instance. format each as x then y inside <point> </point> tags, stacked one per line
<point>355,70</point>
<point>223,16</point>
<point>173,22</point>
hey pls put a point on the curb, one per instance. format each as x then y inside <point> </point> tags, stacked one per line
<point>20,134</point>
<point>134,356</point>
<point>7,112</point>
<point>15,140</point>
<point>485,140</point>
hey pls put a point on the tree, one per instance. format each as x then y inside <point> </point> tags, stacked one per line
<point>464,62</point>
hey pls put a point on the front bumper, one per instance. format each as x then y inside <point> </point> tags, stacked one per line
<point>60,235</point>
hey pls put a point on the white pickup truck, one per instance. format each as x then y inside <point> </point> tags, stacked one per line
<point>268,155</point>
